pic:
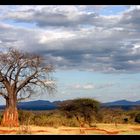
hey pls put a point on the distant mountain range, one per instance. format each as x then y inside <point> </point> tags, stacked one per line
<point>36,105</point>
<point>47,105</point>
<point>122,103</point>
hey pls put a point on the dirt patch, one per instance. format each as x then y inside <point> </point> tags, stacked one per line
<point>136,129</point>
<point>101,129</point>
<point>93,129</point>
<point>7,131</point>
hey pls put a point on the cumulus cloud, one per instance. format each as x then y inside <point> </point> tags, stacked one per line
<point>75,37</point>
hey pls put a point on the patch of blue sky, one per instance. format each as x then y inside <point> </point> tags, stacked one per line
<point>113,10</point>
<point>121,84</point>
<point>75,76</point>
<point>87,26</point>
<point>21,24</point>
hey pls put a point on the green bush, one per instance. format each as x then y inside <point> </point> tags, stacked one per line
<point>126,120</point>
<point>40,120</point>
<point>47,119</point>
<point>137,118</point>
<point>26,117</point>
<point>132,113</point>
<point>1,115</point>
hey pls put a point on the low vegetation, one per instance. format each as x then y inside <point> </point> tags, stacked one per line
<point>78,113</point>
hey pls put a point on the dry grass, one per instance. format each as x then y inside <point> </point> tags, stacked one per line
<point>100,129</point>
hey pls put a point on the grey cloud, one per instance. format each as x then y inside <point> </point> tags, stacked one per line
<point>130,20</point>
<point>45,18</point>
<point>106,55</point>
<point>104,48</point>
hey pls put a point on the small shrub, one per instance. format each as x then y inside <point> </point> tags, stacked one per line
<point>132,114</point>
<point>26,117</point>
<point>125,120</point>
<point>40,120</point>
<point>1,117</point>
<point>70,122</point>
<point>24,129</point>
<point>137,118</point>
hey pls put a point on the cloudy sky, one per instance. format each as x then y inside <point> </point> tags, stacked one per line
<point>95,49</point>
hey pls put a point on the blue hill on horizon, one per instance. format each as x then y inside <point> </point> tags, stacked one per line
<point>47,105</point>
<point>122,103</point>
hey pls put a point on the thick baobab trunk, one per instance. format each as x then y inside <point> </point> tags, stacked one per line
<point>10,115</point>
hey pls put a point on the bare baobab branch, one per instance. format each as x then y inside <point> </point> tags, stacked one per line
<point>4,96</point>
<point>20,74</point>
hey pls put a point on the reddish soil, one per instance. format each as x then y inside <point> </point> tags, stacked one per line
<point>82,130</point>
<point>103,129</point>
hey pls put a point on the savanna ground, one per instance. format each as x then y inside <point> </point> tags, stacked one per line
<point>106,122</point>
<point>100,129</point>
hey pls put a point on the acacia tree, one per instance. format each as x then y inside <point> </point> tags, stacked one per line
<point>82,107</point>
<point>21,74</point>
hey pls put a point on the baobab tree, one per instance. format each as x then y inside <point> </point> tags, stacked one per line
<point>21,75</point>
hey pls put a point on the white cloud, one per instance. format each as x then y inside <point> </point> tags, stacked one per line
<point>49,36</point>
<point>83,87</point>
<point>90,86</point>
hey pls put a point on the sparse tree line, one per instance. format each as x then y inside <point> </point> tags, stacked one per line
<point>82,112</point>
